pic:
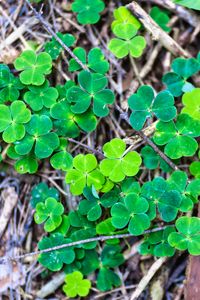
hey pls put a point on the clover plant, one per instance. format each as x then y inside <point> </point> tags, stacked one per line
<point>75,285</point>
<point>161,17</point>
<point>178,137</point>
<point>126,42</point>
<point>144,105</point>
<point>112,191</point>
<point>177,80</point>
<point>88,11</point>
<point>95,60</point>
<point>93,90</point>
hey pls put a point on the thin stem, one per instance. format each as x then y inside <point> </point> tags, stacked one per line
<point>73,244</point>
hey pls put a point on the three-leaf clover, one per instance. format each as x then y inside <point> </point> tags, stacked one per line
<point>84,173</point>
<point>38,137</point>
<point>144,105</point>
<point>34,67</point>
<point>12,120</point>
<point>123,16</point>
<point>91,206</point>
<point>176,81</point>
<point>68,123</point>
<point>49,212</point>
<point>54,48</point>
<point>88,10</point>
<point>41,192</point>
<point>76,285</point>
<point>188,235</point>
<point>156,243</point>
<point>132,213</point>
<point>160,197</point>
<point>126,42</point>
<point>54,260</point>
<point>39,96</point>
<point>117,163</point>
<point>191,102</point>
<point>95,60</point>
<point>178,137</point>
<point>161,18</point>
<point>9,85</point>
<point>92,89</point>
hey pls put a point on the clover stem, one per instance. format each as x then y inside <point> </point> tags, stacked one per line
<point>135,69</point>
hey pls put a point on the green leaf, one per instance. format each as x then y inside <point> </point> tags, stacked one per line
<point>49,212</point>
<point>195,168</point>
<point>92,90</point>
<point>68,123</point>
<point>127,42</point>
<point>123,16</point>
<point>41,192</point>
<point>117,165</point>
<point>27,164</point>
<point>88,11</point>
<point>176,81</point>
<point>53,48</point>
<point>84,173</point>
<point>191,102</point>
<point>178,137</point>
<point>188,235</point>
<point>12,120</point>
<point>38,137</point>
<point>189,3</point>
<point>76,285</point>
<point>61,160</point>
<point>131,213</point>
<point>41,96</point>
<point>107,279</point>
<point>160,197</point>
<point>34,67</point>
<point>54,260</point>
<point>160,17</point>
<point>95,60</point>
<point>144,105</point>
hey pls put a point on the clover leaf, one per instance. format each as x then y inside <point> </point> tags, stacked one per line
<point>54,260</point>
<point>9,85</point>
<point>188,4</point>
<point>126,42</point>
<point>123,16</point>
<point>12,120</point>
<point>132,213</point>
<point>88,10</point>
<point>84,173</point>
<point>152,159</point>
<point>91,206</point>
<point>188,235</point>
<point>160,197</point>
<point>178,181</point>
<point>34,67</point>
<point>145,105</point>
<point>68,123</point>
<point>54,48</point>
<point>195,168</point>
<point>110,258</point>
<point>156,243</point>
<point>117,164</point>
<point>95,60</point>
<point>160,17</point>
<point>49,212</point>
<point>178,137</point>
<point>62,159</point>
<point>41,192</point>
<point>76,285</point>
<point>176,81</point>
<point>191,102</point>
<point>38,137</point>
<point>39,96</point>
<point>26,164</point>
<point>92,89</point>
